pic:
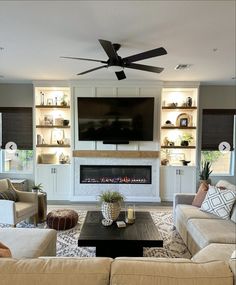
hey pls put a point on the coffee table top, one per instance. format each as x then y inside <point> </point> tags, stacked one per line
<point>143,229</point>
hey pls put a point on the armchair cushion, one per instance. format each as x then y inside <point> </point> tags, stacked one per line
<point>8,194</point>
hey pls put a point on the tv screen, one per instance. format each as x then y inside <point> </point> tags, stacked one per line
<point>115,120</point>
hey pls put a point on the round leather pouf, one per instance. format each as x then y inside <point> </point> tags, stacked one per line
<point>62,219</point>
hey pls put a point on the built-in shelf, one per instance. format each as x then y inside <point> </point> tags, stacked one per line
<point>182,128</point>
<point>179,108</point>
<point>52,106</point>
<point>179,146</point>
<point>52,145</point>
<point>54,126</point>
<point>116,153</point>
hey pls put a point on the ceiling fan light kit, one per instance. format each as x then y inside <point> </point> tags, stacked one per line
<point>117,64</point>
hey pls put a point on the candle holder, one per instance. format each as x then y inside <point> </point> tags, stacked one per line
<point>130,214</point>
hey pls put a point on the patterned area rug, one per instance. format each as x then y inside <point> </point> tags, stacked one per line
<point>173,245</point>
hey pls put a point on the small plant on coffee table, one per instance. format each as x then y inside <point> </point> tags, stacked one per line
<point>111,204</point>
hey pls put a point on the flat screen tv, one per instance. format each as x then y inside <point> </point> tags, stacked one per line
<point>115,120</point>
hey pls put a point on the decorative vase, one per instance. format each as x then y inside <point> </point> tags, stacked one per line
<point>189,102</point>
<point>111,211</point>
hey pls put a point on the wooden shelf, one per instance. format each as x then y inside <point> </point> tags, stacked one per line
<point>179,146</point>
<point>115,153</point>
<point>180,108</point>
<point>52,145</point>
<point>51,106</point>
<point>51,127</point>
<point>181,128</point>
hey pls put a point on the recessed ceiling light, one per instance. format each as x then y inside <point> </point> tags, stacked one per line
<point>183,66</point>
<point>1,48</point>
<point>215,49</point>
<point>1,76</point>
<point>234,77</point>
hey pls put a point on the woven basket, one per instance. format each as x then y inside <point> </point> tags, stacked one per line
<point>111,211</point>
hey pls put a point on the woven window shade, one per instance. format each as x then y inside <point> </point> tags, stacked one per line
<point>217,127</point>
<point>17,127</point>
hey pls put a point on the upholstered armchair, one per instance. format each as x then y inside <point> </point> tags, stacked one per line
<point>16,206</point>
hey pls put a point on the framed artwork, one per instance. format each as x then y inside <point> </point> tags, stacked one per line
<point>183,122</point>
<point>48,120</point>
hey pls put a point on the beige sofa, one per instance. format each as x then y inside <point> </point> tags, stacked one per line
<point>120,271</point>
<point>29,243</point>
<point>200,229</point>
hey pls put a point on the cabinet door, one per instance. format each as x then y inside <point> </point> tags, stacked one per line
<point>62,182</point>
<point>167,183</point>
<point>44,175</point>
<point>187,179</point>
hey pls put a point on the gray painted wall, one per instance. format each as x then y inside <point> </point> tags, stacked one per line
<point>17,95</point>
<point>217,97</point>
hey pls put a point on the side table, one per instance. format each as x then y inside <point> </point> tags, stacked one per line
<point>42,207</point>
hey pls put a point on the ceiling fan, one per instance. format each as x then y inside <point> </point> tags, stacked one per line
<point>115,61</point>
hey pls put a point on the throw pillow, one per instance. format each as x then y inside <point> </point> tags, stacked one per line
<point>201,194</point>
<point>219,202</point>
<point>8,195</point>
<point>4,251</point>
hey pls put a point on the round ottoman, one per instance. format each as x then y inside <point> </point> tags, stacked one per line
<point>62,219</point>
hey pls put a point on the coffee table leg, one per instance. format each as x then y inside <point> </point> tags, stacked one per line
<point>119,249</point>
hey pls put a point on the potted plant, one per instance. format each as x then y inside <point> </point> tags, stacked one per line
<point>37,187</point>
<point>186,139</point>
<point>111,204</point>
<point>205,172</point>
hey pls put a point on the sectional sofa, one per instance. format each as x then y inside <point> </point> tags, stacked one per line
<point>210,240</point>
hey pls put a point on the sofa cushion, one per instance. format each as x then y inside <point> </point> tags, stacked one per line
<point>29,243</point>
<point>86,271</point>
<point>206,231</point>
<point>186,212</point>
<point>201,194</point>
<point>8,194</point>
<point>215,251</point>
<point>219,202</point>
<point>172,272</point>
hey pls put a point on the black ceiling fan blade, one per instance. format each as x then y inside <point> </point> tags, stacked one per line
<point>81,58</point>
<point>145,55</point>
<point>144,67</point>
<point>120,75</point>
<point>90,70</point>
<point>109,49</point>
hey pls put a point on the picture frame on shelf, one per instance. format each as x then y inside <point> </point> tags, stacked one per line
<point>57,136</point>
<point>183,122</point>
<point>48,120</point>
<point>49,102</point>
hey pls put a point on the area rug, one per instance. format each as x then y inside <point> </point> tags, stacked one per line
<point>173,245</point>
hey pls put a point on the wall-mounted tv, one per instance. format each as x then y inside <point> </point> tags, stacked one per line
<point>115,120</point>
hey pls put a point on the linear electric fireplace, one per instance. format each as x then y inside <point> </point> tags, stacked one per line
<point>115,174</point>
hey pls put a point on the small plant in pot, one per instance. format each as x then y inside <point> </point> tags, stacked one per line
<point>37,187</point>
<point>111,204</point>
<point>205,172</point>
<point>186,139</point>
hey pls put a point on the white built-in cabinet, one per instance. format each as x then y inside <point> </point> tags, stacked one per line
<point>53,140</point>
<point>177,179</point>
<point>179,122</point>
<point>56,180</point>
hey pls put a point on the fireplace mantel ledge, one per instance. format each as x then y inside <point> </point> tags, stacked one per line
<point>116,153</point>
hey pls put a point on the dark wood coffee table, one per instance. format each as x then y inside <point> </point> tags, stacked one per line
<point>113,241</point>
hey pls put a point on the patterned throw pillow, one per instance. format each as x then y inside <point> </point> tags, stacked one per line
<point>219,202</point>
<point>8,195</point>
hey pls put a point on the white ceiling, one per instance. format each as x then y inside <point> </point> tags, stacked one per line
<point>34,34</point>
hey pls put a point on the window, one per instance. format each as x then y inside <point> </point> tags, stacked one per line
<point>20,161</point>
<point>16,126</point>
<point>219,126</point>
